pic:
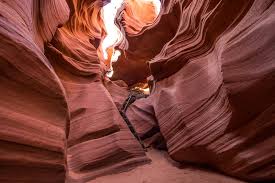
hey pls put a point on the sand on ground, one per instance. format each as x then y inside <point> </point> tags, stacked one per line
<point>164,170</point>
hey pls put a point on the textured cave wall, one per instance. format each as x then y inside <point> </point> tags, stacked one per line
<point>99,141</point>
<point>217,107</point>
<point>33,110</point>
<point>213,67</point>
<point>58,111</point>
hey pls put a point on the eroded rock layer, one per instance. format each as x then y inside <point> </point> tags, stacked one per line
<point>58,117</point>
<point>99,141</point>
<point>33,108</point>
<point>212,65</point>
<point>218,108</point>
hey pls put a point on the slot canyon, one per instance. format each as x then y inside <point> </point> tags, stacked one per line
<point>137,91</point>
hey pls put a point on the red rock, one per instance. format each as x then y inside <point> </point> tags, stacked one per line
<point>212,97</point>
<point>217,108</point>
<point>141,115</point>
<point>99,141</point>
<point>33,110</point>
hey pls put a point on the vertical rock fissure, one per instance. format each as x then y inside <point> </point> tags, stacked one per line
<point>133,96</point>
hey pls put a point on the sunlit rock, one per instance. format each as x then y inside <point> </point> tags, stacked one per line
<point>206,70</point>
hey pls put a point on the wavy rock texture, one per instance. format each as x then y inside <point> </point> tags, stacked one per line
<point>212,99</point>
<point>57,114</point>
<point>218,108</point>
<point>142,116</point>
<point>99,141</point>
<point>33,110</point>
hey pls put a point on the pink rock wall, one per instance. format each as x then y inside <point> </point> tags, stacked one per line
<point>57,114</point>
<point>33,108</point>
<point>218,108</point>
<point>99,141</point>
<point>213,100</point>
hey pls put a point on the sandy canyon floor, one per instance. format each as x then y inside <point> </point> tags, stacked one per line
<point>164,170</point>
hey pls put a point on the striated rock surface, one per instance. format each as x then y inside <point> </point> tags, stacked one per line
<point>212,99</point>
<point>33,110</point>
<point>99,141</point>
<point>141,114</point>
<point>218,108</point>
<point>58,117</point>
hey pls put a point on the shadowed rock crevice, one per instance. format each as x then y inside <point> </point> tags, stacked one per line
<point>210,65</point>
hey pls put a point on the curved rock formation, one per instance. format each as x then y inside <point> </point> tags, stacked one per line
<point>212,74</point>
<point>218,108</point>
<point>33,108</point>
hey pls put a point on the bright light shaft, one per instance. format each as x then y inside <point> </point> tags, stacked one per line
<point>113,33</point>
<point>157,5</point>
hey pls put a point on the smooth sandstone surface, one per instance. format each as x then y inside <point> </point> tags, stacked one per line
<point>212,99</point>
<point>218,108</point>
<point>33,108</point>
